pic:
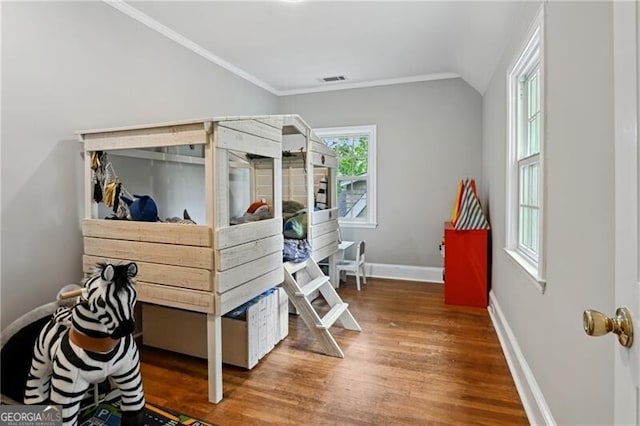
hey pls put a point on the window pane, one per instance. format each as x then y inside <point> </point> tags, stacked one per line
<point>528,229</point>
<point>534,230</point>
<point>352,198</point>
<point>528,113</point>
<point>535,184</point>
<point>523,228</point>
<point>533,135</point>
<point>353,152</point>
<point>529,185</point>
<point>523,193</point>
<point>362,155</point>
<point>533,94</point>
<point>528,211</point>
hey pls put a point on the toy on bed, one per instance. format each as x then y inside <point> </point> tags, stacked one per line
<point>185,220</point>
<point>142,209</point>
<point>294,220</point>
<point>296,226</point>
<point>258,210</point>
<point>321,196</point>
<point>88,343</point>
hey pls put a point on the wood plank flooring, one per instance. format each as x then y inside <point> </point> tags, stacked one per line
<point>416,361</point>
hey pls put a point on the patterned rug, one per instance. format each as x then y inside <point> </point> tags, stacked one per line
<point>108,413</point>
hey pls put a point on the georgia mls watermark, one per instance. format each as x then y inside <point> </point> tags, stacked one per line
<point>30,415</point>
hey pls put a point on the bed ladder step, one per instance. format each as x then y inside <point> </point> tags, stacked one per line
<point>315,284</point>
<point>333,315</point>
<point>294,267</point>
<point>339,313</point>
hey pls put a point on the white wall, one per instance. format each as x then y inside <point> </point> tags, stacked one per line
<point>82,65</point>
<point>573,371</point>
<point>429,137</point>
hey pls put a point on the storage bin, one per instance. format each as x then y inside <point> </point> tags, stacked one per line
<point>249,332</point>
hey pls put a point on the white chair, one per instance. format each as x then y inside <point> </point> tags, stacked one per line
<point>356,266</point>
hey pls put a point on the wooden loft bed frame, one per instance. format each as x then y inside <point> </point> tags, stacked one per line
<point>210,268</point>
<point>322,225</point>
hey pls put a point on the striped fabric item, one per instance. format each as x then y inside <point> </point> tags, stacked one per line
<point>470,214</point>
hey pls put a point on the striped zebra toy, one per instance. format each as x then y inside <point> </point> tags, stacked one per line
<point>88,343</point>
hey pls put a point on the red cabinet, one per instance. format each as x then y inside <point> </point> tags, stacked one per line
<point>466,266</point>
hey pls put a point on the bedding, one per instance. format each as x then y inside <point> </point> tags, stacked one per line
<point>296,250</point>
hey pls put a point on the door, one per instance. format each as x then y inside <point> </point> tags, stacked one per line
<point>626,54</point>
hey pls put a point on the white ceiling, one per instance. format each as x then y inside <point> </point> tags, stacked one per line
<point>286,47</point>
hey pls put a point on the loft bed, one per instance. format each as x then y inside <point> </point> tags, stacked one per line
<point>306,161</point>
<point>209,268</point>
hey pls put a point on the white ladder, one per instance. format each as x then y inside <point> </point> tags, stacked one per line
<point>301,280</point>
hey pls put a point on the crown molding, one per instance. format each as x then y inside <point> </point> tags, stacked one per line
<point>151,23</point>
<point>141,17</point>
<point>373,83</point>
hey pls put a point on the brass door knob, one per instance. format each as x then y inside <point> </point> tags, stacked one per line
<point>598,324</point>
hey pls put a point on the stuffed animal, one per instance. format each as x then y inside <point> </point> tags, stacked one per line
<point>142,209</point>
<point>89,342</point>
<point>259,210</point>
<point>186,219</point>
<point>321,196</point>
<point>296,226</point>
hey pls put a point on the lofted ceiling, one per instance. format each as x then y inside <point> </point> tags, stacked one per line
<point>286,47</point>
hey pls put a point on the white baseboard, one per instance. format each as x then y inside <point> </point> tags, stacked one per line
<point>404,272</point>
<point>531,396</point>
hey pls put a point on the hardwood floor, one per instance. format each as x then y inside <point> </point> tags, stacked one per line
<point>416,361</point>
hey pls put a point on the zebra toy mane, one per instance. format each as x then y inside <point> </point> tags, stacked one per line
<point>122,275</point>
<point>108,299</point>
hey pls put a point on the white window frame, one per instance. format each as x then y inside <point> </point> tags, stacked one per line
<point>530,57</point>
<point>372,209</point>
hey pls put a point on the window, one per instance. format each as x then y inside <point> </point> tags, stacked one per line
<point>525,171</point>
<point>355,148</point>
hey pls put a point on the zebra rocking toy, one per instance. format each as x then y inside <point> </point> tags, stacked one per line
<point>88,343</point>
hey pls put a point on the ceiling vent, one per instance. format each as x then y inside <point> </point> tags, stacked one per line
<point>333,79</point>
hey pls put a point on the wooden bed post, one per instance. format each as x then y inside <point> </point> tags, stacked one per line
<point>310,182</point>
<point>333,203</point>
<point>88,195</point>
<point>212,213</point>
<point>277,187</point>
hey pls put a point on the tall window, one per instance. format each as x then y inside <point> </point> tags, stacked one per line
<point>355,148</point>
<point>524,174</point>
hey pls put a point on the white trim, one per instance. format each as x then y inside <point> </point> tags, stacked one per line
<point>626,206</point>
<point>532,272</point>
<point>428,274</point>
<point>145,19</point>
<point>534,39</point>
<point>373,83</point>
<point>372,170</point>
<point>533,401</point>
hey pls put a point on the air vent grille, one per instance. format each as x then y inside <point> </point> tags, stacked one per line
<point>333,79</point>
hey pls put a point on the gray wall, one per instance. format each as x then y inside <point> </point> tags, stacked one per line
<point>573,371</point>
<point>72,66</point>
<point>429,137</point>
